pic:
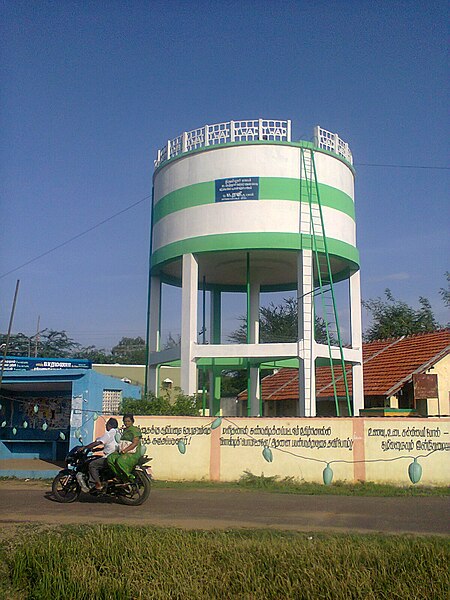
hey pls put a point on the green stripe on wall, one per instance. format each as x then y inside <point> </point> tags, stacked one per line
<point>270,188</point>
<point>191,195</point>
<point>251,241</point>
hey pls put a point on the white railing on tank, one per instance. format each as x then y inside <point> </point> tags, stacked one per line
<point>223,133</point>
<point>331,141</point>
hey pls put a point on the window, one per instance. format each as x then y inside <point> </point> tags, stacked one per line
<point>111,401</point>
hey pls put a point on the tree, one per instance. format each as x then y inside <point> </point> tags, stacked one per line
<point>95,355</point>
<point>172,342</point>
<point>19,344</point>
<point>445,293</point>
<point>394,318</point>
<point>278,323</point>
<point>56,344</point>
<point>233,382</point>
<point>50,343</point>
<point>130,351</point>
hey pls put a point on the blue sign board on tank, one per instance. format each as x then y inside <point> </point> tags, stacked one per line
<point>237,188</point>
<point>18,363</point>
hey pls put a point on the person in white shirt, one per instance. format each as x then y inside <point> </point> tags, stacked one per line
<point>108,441</point>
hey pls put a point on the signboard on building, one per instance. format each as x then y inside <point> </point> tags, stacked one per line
<point>19,363</point>
<point>425,386</point>
<point>237,188</point>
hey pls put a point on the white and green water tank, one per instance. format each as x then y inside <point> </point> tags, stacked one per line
<point>230,213</point>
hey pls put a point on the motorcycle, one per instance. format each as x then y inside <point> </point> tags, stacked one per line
<point>66,486</point>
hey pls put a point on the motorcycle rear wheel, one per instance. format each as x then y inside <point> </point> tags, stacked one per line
<point>137,492</point>
<point>65,487</point>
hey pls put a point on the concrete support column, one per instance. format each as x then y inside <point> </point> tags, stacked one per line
<point>306,345</point>
<point>154,338</point>
<point>254,313</point>
<point>253,321</point>
<point>356,339</point>
<point>189,328</point>
<point>254,392</point>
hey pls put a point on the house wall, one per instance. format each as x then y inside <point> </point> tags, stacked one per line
<point>357,449</point>
<point>87,401</point>
<point>136,374</point>
<point>66,401</point>
<point>442,370</point>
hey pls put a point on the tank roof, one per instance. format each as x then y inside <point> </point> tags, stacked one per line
<point>247,130</point>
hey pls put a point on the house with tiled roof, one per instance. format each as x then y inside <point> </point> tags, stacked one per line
<point>393,370</point>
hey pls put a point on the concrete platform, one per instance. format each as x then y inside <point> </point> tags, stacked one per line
<point>34,468</point>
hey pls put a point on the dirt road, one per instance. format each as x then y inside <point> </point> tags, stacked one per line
<point>24,502</point>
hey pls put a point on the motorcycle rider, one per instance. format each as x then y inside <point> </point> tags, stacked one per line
<point>122,462</point>
<point>108,441</point>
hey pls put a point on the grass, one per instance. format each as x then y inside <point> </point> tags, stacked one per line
<point>124,563</point>
<point>290,485</point>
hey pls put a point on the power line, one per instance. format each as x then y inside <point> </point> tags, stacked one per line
<point>75,237</point>
<point>401,166</point>
<point>121,212</point>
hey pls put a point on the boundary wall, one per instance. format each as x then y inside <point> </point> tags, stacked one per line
<point>379,450</point>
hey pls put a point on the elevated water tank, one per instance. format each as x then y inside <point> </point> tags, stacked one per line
<point>238,206</point>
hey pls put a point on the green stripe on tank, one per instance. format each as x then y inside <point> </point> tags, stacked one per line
<point>252,241</point>
<point>270,188</point>
<point>186,197</point>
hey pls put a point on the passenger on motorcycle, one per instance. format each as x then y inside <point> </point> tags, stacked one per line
<point>108,441</point>
<point>123,461</point>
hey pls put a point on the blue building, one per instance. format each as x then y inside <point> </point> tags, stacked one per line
<point>49,405</point>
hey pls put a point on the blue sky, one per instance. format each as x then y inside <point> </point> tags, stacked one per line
<point>90,91</point>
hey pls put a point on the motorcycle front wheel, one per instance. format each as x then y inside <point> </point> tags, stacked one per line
<point>137,492</point>
<point>65,487</point>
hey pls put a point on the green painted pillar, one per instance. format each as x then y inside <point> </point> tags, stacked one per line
<point>216,317</point>
<point>217,382</point>
<point>215,338</point>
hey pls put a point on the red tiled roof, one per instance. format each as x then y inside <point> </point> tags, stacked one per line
<point>387,364</point>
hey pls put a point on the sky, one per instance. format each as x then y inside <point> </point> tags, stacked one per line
<point>91,90</point>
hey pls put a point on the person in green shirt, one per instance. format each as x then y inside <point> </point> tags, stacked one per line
<point>123,462</point>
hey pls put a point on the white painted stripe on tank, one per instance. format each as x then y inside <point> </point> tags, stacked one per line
<point>271,216</point>
<point>248,161</point>
<point>333,172</point>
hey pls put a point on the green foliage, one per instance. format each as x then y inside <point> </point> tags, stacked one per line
<point>57,344</point>
<point>65,563</point>
<point>394,318</point>
<point>54,343</point>
<point>186,405</point>
<point>279,323</point>
<point>129,351</point>
<point>19,344</point>
<point>49,343</point>
<point>445,293</point>
<point>232,383</point>
<point>95,355</point>
<point>147,405</point>
<point>160,405</point>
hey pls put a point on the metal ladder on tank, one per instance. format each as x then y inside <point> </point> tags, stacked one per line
<point>311,210</point>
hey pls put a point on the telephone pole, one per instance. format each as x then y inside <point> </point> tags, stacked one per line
<point>5,350</point>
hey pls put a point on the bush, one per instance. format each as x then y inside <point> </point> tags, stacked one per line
<point>160,405</point>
